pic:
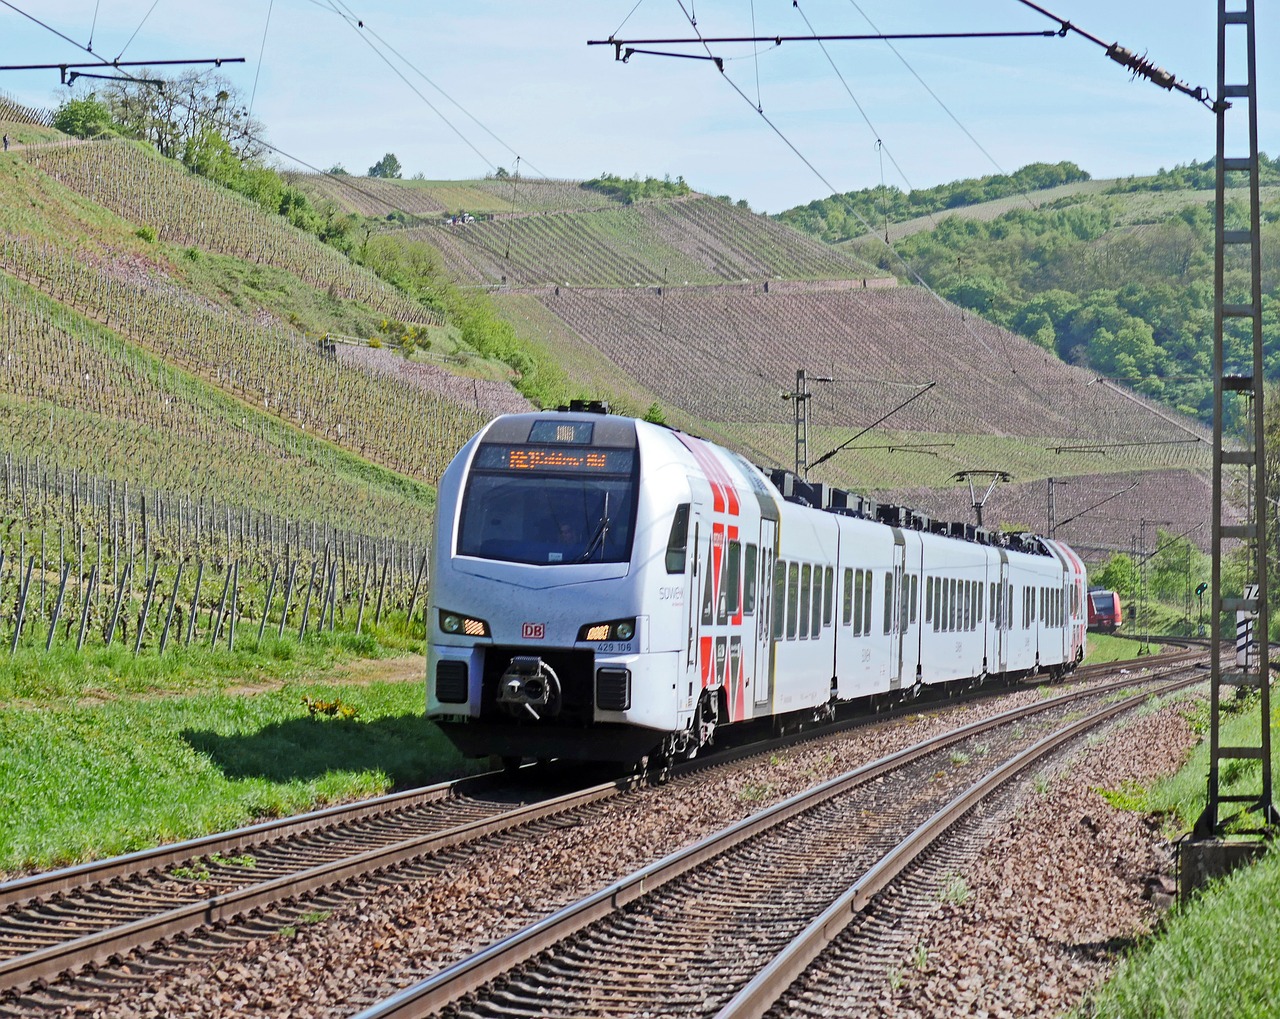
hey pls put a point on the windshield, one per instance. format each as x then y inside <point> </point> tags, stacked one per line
<point>525,505</point>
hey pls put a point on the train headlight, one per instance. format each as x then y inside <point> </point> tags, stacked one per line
<point>618,629</point>
<point>455,622</point>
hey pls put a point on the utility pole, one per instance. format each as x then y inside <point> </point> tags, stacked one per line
<point>1209,854</point>
<point>1053,506</point>
<point>800,398</point>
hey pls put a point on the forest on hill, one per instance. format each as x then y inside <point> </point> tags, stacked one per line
<point>1117,281</point>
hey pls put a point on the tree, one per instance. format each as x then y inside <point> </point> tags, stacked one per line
<point>84,118</point>
<point>388,167</point>
<point>1119,575</point>
<point>171,112</point>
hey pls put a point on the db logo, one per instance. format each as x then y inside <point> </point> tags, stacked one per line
<point>533,631</point>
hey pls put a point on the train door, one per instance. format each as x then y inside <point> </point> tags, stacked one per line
<point>1004,612</point>
<point>761,668</point>
<point>695,578</point>
<point>893,611</point>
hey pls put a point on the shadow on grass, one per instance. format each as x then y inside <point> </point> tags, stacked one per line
<point>408,749</point>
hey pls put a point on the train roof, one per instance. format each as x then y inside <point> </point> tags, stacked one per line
<point>792,487</point>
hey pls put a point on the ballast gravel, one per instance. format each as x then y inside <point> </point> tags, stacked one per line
<point>1051,901</point>
<point>1067,884</point>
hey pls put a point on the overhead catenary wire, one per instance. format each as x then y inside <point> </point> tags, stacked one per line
<point>704,41</point>
<point>261,50</point>
<point>938,99</point>
<point>345,180</point>
<point>357,26</point>
<point>154,5</point>
<point>94,24</point>
<point>363,25</point>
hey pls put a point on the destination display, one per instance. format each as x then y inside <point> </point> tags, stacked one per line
<point>558,460</point>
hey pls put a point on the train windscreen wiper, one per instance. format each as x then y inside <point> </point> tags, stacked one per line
<point>599,535</point>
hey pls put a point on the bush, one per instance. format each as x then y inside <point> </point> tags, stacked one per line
<point>84,118</point>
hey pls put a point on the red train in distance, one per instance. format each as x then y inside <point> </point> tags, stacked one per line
<point>1105,613</point>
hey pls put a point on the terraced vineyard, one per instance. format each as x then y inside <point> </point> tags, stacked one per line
<point>692,241</point>
<point>184,209</point>
<point>1181,496</point>
<point>730,351</point>
<point>125,414</point>
<point>371,196</point>
<point>387,420</point>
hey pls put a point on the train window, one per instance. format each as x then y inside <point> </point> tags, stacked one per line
<point>749,580</point>
<point>928,599</point>
<point>678,540</point>
<point>858,630</point>
<point>779,596</point>
<point>828,595</point>
<point>904,601</point>
<point>733,579</point>
<point>793,598</point>
<point>977,600</point>
<point>866,602</point>
<point>967,604</point>
<point>915,594</point>
<point>953,604</point>
<point>888,603</point>
<point>544,517</point>
<point>847,618</point>
<point>806,593</point>
<point>944,604</point>
<point>816,624</point>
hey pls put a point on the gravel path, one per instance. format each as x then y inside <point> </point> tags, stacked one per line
<point>460,901</point>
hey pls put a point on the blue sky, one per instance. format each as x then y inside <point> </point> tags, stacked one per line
<point>524,71</point>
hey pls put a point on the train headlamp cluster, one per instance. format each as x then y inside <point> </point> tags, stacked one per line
<point>456,622</point>
<point>618,629</point>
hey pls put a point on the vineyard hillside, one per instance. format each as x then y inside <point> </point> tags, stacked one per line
<point>718,359</point>
<point>165,333</point>
<point>688,307</point>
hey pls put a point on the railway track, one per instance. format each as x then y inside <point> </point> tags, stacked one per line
<point>724,927</point>
<point>81,917</point>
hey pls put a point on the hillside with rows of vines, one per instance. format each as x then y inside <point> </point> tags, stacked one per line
<point>269,347</point>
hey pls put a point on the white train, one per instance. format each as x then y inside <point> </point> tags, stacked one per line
<point>604,588</point>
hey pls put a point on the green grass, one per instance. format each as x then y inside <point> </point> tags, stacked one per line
<point>35,677</point>
<point>80,782</point>
<point>1105,647</point>
<point>1183,971</point>
<point>1181,797</point>
<point>1215,957</point>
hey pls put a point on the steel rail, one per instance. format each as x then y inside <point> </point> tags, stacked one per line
<point>41,886</point>
<point>768,986</point>
<point>44,964</point>
<point>472,973</point>
<point>52,961</point>
<point>23,890</point>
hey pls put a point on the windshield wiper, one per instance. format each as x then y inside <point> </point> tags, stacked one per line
<point>599,535</point>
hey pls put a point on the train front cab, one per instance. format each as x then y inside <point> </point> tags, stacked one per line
<point>689,581</point>
<point>535,627</point>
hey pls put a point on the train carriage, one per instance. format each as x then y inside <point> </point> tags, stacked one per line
<point>605,588</point>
